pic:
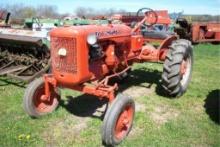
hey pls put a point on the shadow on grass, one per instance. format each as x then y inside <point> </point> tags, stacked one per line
<point>86,105</point>
<point>144,75</point>
<point>139,76</point>
<point>212,106</point>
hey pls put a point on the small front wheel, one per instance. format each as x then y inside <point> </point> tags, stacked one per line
<point>33,103</point>
<point>118,120</point>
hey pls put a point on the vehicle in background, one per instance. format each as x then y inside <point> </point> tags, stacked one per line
<point>198,32</point>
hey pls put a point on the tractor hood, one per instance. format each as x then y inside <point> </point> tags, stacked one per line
<point>101,31</point>
<point>70,49</point>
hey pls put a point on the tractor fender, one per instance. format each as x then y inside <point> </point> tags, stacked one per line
<point>167,42</point>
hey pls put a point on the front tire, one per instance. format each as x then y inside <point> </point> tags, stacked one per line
<point>33,105</point>
<point>177,70</point>
<point>118,120</point>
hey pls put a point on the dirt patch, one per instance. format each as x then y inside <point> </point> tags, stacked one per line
<point>67,130</point>
<point>138,91</point>
<point>163,113</point>
<point>135,131</point>
<point>140,107</point>
<point>197,107</point>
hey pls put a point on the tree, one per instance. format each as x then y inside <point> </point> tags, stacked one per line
<point>21,11</point>
<point>81,12</point>
<point>47,11</point>
<point>89,12</point>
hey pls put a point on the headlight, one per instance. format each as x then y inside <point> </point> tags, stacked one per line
<point>62,52</point>
<point>92,39</point>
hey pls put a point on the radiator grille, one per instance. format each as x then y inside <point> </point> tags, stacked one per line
<point>66,63</point>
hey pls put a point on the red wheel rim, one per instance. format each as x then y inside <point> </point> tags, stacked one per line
<point>185,70</point>
<point>124,122</point>
<point>183,67</point>
<point>44,106</point>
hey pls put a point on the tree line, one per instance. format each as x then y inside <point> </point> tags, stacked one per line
<point>202,18</point>
<point>21,11</point>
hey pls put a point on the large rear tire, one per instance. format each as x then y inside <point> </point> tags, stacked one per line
<point>118,120</point>
<point>33,103</point>
<point>177,70</point>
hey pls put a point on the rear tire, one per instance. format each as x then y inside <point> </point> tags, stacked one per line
<point>177,70</point>
<point>118,120</point>
<point>32,103</point>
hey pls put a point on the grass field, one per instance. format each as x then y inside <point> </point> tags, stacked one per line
<point>192,120</point>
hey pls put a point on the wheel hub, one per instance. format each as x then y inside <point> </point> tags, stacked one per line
<point>124,122</point>
<point>42,103</point>
<point>183,67</point>
<point>44,98</point>
<point>185,70</point>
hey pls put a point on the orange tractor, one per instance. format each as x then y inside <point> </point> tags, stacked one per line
<point>86,58</point>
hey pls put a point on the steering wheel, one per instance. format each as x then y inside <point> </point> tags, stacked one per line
<point>150,15</point>
<point>150,18</point>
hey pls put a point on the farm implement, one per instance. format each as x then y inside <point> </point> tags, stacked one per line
<point>86,58</point>
<point>198,32</point>
<point>29,22</point>
<point>24,54</point>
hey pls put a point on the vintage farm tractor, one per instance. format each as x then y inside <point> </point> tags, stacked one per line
<point>86,58</point>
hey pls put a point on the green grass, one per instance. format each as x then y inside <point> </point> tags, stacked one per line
<point>187,121</point>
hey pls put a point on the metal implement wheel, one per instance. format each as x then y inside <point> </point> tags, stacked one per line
<point>177,70</point>
<point>118,120</point>
<point>33,102</point>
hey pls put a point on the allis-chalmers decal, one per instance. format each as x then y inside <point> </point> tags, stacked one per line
<point>107,33</point>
